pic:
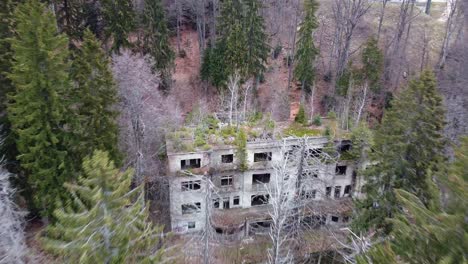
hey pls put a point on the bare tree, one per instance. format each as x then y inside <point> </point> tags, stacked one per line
<point>145,114</point>
<point>12,239</point>
<point>381,17</point>
<point>450,28</point>
<point>347,14</point>
<point>233,87</point>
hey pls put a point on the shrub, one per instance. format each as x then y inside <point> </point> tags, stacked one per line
<point>301,116</point>
<point>317,120</point>
<point>331,115</point>
<point>277,51</point>
<point>182,53</point>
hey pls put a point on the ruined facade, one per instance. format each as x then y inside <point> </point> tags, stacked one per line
<point>209,187</point>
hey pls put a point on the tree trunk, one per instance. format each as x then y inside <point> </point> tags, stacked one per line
<point>381,18</point>
<point>428,7</point>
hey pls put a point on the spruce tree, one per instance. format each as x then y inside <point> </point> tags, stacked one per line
<point>257,40</point>
<point>119,22</point>
<point>36,111</point>
<point>6,87</point>
<point>372,60</point>
<point>407,153</point>
<point>233,38</point>
<point>106,222</point>
<point>93,98</point>
<point>71,18</point>
<point>156,36</point>
<point>306,50</point>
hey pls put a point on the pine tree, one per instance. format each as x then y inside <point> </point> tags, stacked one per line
<point>106,222</point>
<point>232,37</point>
<point>71,18</point>
<point>421,235</point>
<point>306,50</point>
<point>257,40</point>
<point>93,98</point>
<point>156,36</point>
<point>407,152</point>
<point>372,59</point>
<point>6,87</point>
<point>36,112</point>
<point>119,22</point>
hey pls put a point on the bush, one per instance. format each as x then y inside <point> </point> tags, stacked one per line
<point>317,120</point>
<point>261,77</point>
<point>301,116</point>
<point>331,115</point>
<point>182,54</point>
<point>277,51</point>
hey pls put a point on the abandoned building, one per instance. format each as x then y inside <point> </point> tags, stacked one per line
<point>211,183</point>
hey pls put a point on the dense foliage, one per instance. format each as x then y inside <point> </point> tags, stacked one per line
<point>407,153</point>
<point>37,108</point>
<point>93,97</point>
<point>106,223</point>
<point>119,20</point>
<point>306,50</point>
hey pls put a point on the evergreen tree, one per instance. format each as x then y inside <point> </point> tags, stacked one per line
<point>6,87</point>
<point>306,50</point>
<point>36,112</point>
<point>233,37</point>
<point>407,152</point>
<point>421,235</point>
<point>213,68</point>
<point>106,222</point>
<point>372,59</point>
<point>257,40</point>
<point>71,18</point>
<point>92,99</point>
<point>119,22</point>
<point>156,36</point>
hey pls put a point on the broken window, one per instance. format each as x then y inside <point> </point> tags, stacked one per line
<point>226,180</point>
<point>259,199</point>
<point>262,156</point>
<point>316,153</point>
<point>337,191</point>
<point>340,170</point>
<point>190,185</point>
<point>347,190</point>
<point>345,146</point>
<point>190,164</point>
<point>308,194</point>
<point>328,191</point>
<point>229,158</point>
<point>236,200</point>
<point>226,203</point>
<point>191,225</point>
<point>191,208</point>
<point>216,203</point>
<point>260,178</point>
<point>334,219</point>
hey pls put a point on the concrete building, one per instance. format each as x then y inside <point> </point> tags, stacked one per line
<point>210,178</point>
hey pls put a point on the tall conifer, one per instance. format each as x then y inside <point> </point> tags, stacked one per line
<point>156,35</point>
<point>306,50</point>
<point>93,98</point>
<point>407,152</point>
<point>36,112</point>
<point>257,40</point>
<point>108,222</point>
<point>119,20</point>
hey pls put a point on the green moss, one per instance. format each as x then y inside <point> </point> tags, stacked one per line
<point>301,131</point>
<point>227,132</point>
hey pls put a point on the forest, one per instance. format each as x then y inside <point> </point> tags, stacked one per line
<point>234,131</point>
